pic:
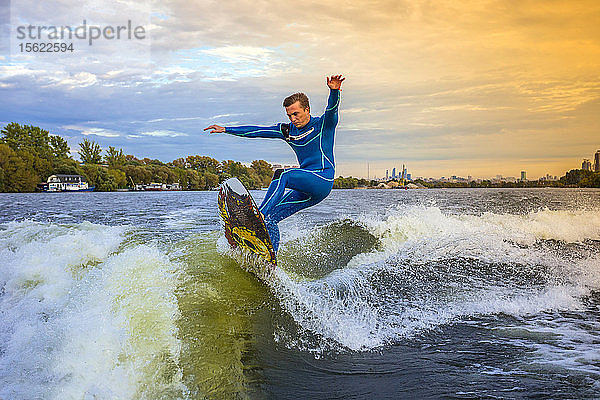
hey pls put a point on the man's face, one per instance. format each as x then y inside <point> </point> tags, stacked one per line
<point>298,116</point>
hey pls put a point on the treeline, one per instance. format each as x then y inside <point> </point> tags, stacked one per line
<point>351,183</point>
<point>573,178</point>
<point>29,155</point>
<point>581,178</point>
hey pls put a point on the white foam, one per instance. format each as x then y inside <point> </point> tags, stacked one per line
<point>346,308</point>
<point>80,320</point>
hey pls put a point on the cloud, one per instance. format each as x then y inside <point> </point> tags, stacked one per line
<point>78,80</point>
<point>425,79</point>
<point>163,133</point>
<point>241,54</point>
<point>226,115</point>
<point>87,131</point>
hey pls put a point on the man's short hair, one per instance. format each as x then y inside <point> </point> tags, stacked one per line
<point>301,97</point>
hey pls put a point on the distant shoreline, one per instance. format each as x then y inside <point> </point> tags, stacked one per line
<point>30,155</point>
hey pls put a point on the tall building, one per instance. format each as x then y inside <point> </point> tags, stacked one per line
<point>387,174</point>
<point>586,165</point>
<point>523,176</point>
<point>394,173</point>
<point>597,161</point>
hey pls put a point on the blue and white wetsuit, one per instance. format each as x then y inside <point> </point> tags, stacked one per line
<point>313,180</point>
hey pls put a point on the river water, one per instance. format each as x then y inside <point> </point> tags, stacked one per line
<point>461,293</point>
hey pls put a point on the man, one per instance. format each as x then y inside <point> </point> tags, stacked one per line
<point>312,139</point>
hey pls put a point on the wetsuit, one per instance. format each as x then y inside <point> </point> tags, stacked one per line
<point>313,180</point>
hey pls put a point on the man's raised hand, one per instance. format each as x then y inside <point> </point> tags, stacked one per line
<point>215,129</point>
<point>335,82</point>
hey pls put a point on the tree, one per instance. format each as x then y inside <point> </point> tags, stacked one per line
<point>16,174</point>
<point>138,174</point>
<point>67,166</point>
<point>246,175</point>
<point>345,183</point>
<point>593,180</point>
<point>264,171</point>
<point>204,164</point>
<point>163,174</point>
<point>210,180</point>
<point>60,148</point>
<point>31,138</point>
<point>104,179</point>
<point>114,157</point>
<point>131,160</point>
<point>148,161</point>
<point>193,179</point>
<point>90,152</point>
<point>178,163</point>
<point>574,176</point>
<point>118,177</point>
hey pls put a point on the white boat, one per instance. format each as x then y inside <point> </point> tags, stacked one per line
<point>66,183</point>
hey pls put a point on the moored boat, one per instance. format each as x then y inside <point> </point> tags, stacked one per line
<point>65,183</point>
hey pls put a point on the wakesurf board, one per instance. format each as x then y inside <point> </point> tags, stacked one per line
<point>244,223</point>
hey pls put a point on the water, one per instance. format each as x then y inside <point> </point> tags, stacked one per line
<point>380,294</point>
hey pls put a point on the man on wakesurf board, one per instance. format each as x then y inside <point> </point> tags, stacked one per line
<point>312,140</point>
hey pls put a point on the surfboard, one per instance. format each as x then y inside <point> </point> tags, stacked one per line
<point>243,222</point>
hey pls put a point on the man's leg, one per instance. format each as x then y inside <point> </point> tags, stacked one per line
<point>292,202</point>
<point>300,180</point>
<point>307,189</point>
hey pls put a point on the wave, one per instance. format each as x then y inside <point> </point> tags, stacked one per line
<point>85,314</point>
<point>419,268</point>
<point>90,310</point>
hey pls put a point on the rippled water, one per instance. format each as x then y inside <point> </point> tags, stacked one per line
<point>380,294</point>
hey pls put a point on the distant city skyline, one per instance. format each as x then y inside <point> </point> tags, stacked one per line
<point>595,166</point>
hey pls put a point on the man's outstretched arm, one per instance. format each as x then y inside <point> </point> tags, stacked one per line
<point>249,131</point>
<point>335,85</point>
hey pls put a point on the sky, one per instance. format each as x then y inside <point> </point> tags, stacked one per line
<point>479,88</point>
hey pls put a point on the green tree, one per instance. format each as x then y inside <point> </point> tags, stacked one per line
<point>193,179</point>
<point>162,174</point>
<point>264,171</point>
<point>178,163</point>
<point>67,166</point>
<point>132,160</point>
<point>140,175</point>
<point>100,177</point>
<point>60,148</point>
<point>246,175</point>
<point>15,174</point>
<point>148,161</point>
<point>118,177</point>
<point>592,180</point>
<point>33,139</point>
<point>90,152</point>
<point>211,180</point>
<point>575,176</point>
<point>41,167</point>
<point>204,164</point>
<point>114,158</point>
<point>345,183</point>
